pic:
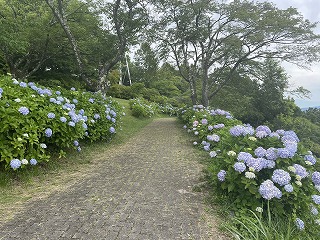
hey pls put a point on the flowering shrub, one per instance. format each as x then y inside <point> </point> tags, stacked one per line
<point>257,167</point>
<point>143,108</point>
<point>34,119</point>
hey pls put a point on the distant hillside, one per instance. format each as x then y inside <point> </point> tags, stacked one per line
<point>306,108</point>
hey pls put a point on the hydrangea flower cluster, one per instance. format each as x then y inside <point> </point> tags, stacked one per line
<point>268,190</point>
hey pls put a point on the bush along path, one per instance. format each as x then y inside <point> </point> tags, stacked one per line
<point>143,190</point>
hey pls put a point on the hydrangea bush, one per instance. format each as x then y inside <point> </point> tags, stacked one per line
<point>258,167</point>
<point>34,119</point>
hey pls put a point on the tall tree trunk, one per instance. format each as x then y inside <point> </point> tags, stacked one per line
<point>60,16</point>
<point>205,87</point>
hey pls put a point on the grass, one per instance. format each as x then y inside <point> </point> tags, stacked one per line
<point>17,187</point>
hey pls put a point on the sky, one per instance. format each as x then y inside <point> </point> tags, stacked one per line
<point>309,79</point>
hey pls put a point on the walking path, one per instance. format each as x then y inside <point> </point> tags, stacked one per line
<point>143,190</point>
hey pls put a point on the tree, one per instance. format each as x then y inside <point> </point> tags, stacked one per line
<point>123,19</point>
<point>234,37</point>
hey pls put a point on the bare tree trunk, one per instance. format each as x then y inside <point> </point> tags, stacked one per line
<point>60,15</point>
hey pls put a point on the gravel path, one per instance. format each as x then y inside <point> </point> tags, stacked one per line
<point>142,190</point>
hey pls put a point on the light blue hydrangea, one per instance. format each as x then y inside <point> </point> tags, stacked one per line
<point>271,154</point>
<point>274,135</point>
<point>15,164</point>
<point>236,131</point>
<point>112,130</point>
<point>218,126</point>
<point>210,128</point>
<point>260,152</point>
<point>85,126</point>
<point>1,90</point>
<point>261,134</point>
<point>63,119</point>
<point>23,84</point>
<point>213,138</point>
<point>300,170</point>
<point>288,188</point>
<point>75,101</point>
<point>299,223</point>
<point>108,117</point>
<point>316,178</point>
<point>58,92</point>
<point>79,149</point>
<point>76,143</point>
<point>311,159</point>
<point>204,121</point>
<point>263,128</point>
<point>316,199</point>
<point>33,161</point>
<point>281,177</point>
<point>270,164</point>
<point>72,124</point>
<point>24,110</point>
<point>113,120</point>
<point>113,113</point>
<point>268,190</point>
<point>256,163</point>
<point>314,210</point>
<point>244,156</point>
<point>72,89</point>
<point>91,100</point>
<point>81,111</point>
<point>51,115</point>
<point>213,154</point>
<point>221,175</point>
<point>239,167</point>
<point>48,132</point>
<point>96,116</point>
<point>283,153</point>
<point>206,147</point>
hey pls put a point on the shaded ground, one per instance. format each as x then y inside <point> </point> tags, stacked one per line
<point>142,190</point>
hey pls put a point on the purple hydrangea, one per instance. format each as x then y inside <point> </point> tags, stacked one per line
<point>51,115</point>
<point>275,135</point>
<point>91,100</point>
<point>24,110</point>
<point>33,161</point>
<point>210,128</point>
<point>222,175</point>
<point>113,120</point>
<point>268,190</point>
<point>299,223</point>
<point>288,188</point>
<point>316,199</point>
<point>300,170</point>
<point>260,152</point>
<point>96,116</point>
<point>15,163</point>
<point>281,177</point>
<point>316,178</point>
<point>81,111</point>
<point>48,132</point>
<point>113,113</point>
<point>85,126</point>
<point>239,167</point>
<point>311,159</point>
<point>58,92</point>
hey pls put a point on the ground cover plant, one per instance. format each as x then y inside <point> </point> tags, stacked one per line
<point>35,120</point>
<point>259,170</point>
